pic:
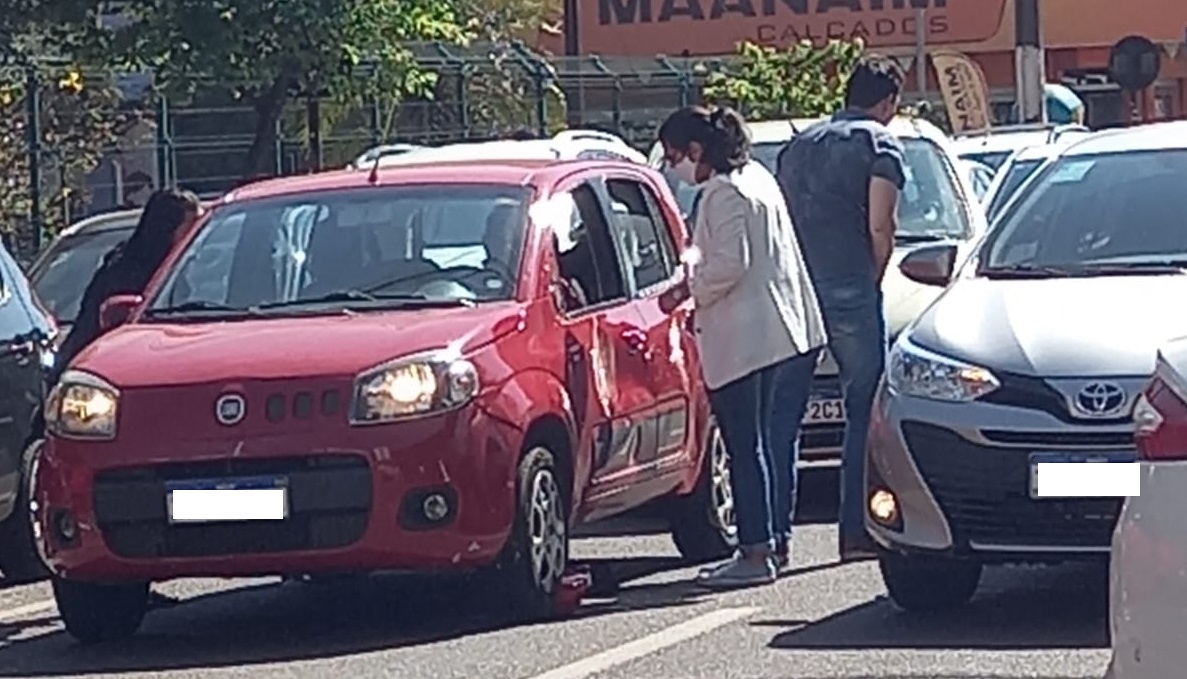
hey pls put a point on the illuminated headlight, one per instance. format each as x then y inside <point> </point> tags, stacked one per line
<point>411,386</point>
<point>82,406</point>
<point>915,371</point>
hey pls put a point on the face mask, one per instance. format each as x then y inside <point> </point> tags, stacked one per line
<point>686,171</point>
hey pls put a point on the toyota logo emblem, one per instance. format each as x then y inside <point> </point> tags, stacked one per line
<point>1100,399</point>
<point>230,409</point>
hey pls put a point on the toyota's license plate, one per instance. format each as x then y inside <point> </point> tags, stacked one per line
<point>1068,457</point>
<point>259,498</point>
<point>824,410</point>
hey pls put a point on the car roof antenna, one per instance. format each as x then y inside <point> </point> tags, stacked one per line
<point>373,176</point>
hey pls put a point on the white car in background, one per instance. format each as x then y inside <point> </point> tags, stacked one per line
<point>567,145</point>
<point>995,145</point>
<point>979,175</point>
<point>938,204</point>
<point>1019,167</point>
<point>1148,589</point>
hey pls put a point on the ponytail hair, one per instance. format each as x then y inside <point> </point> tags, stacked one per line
<point>721,132</point>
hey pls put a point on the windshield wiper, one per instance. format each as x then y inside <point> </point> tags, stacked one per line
<point>1026,271</point>
<point>369,298</point>
<point>921,237</point>
<point>195,306</point>
<point>1153,268</point>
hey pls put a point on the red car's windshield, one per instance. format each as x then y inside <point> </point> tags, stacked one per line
<point>459,242</point>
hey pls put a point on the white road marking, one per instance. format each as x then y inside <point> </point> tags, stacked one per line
<point>27,610</point>
<point>633,650</point>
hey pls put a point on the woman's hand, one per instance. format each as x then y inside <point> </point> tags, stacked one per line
<point>674,296</point>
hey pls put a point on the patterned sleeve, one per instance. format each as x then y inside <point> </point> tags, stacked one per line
<point>888,158</point>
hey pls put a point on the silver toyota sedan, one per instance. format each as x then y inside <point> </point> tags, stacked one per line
<point>1036,352</point>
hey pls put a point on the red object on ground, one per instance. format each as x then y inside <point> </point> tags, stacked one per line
<point>573,587</point>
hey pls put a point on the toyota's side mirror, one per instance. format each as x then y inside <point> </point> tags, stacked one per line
<point>930,265</point>
<point>116,310</point>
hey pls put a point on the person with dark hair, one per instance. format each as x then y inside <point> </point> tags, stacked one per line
<point>841,179</point>
<point>128,268</point>
<point>523,134</point>
<point>756,322</point>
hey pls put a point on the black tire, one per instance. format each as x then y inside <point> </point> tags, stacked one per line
<point>95,613</point>
<point>701,522</point>
<point>929,584</point>
<point>526,591</point>
<point>19,561</point>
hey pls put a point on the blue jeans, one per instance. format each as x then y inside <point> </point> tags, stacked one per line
<point>792,392</point>
<point>745,410</point>
<point>856,327</point>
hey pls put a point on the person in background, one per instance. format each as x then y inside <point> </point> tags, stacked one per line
<point>841,179</point>
<point>128,268</point>
<point>756,321</point>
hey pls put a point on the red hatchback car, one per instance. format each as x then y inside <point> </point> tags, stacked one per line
<point>437,367</point>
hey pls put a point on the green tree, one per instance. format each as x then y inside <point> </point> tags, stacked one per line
<point>79,119</point>
<point>267,52</point>
<point>804,80</point>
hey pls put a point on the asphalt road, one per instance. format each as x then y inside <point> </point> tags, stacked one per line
<point>824,622</point>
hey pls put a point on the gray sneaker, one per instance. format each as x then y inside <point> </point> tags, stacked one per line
<point>738,573</point>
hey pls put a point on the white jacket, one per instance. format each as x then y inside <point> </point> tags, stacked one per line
<point>755,305</point>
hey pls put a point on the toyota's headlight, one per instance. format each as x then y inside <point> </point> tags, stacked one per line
<point>82,406</point>
<point>413,385</point>
<point>915,371</point>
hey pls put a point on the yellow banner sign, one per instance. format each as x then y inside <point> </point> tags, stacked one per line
<point>966,94</point>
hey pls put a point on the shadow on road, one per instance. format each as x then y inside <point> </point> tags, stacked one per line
<point>277,623</point>
<point>1062,607</point>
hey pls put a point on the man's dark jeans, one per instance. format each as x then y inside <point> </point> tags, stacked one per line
<point>856,326</point>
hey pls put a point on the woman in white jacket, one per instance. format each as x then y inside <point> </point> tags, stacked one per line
<point>757,324</point>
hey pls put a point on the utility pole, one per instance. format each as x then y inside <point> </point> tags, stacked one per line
<point>1030,64</point>
<point>921,51</point>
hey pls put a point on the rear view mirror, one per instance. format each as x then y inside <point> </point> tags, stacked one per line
<point>930,265</point>
<point>116,310</point>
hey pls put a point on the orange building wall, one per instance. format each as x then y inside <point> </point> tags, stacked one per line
<point>1077,33</point>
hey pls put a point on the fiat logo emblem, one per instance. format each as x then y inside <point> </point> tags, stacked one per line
<point>230,409</point>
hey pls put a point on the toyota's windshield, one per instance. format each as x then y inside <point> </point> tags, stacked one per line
<point>1096,214</point>
<point>1016,175</point>
<point>373,247</point>
<point>930,203</point>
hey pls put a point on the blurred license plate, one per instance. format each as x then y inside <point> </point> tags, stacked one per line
<point>1062,458</point>
<point>822,410</point>
<point>262,498</point>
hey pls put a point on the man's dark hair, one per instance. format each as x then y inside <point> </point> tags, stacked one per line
<point>522,134</point>
<point>875,78</point>
<point>721,132</point>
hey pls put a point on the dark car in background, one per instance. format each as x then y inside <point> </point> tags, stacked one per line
<point>26,351</point>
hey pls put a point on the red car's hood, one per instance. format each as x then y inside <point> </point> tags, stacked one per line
<point>152,354</point>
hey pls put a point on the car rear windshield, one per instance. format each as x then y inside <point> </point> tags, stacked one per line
<point>993,159</point>
<point>62,276</point>
<point>436,241</point>
<point>1016,175</point>
<point>1117,208</point>
<point>930,203</point>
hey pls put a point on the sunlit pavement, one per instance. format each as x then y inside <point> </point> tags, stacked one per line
<point>822,622</point>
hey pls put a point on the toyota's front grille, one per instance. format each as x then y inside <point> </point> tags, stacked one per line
<point>329,500</point>
<point>1061,439</point>
<point>1035,393</point>
<point>984,493</point>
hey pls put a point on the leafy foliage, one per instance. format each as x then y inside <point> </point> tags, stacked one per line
<point>79,120</point>
<point>804,80</point>
<point>269,51</point>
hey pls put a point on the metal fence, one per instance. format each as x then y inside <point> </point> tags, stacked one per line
<point>482,91</point>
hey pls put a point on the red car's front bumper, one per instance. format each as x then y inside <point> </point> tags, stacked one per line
<point>355,496</point>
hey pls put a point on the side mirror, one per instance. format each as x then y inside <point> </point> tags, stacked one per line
<point>930,265</point>
<point>116,310</point>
